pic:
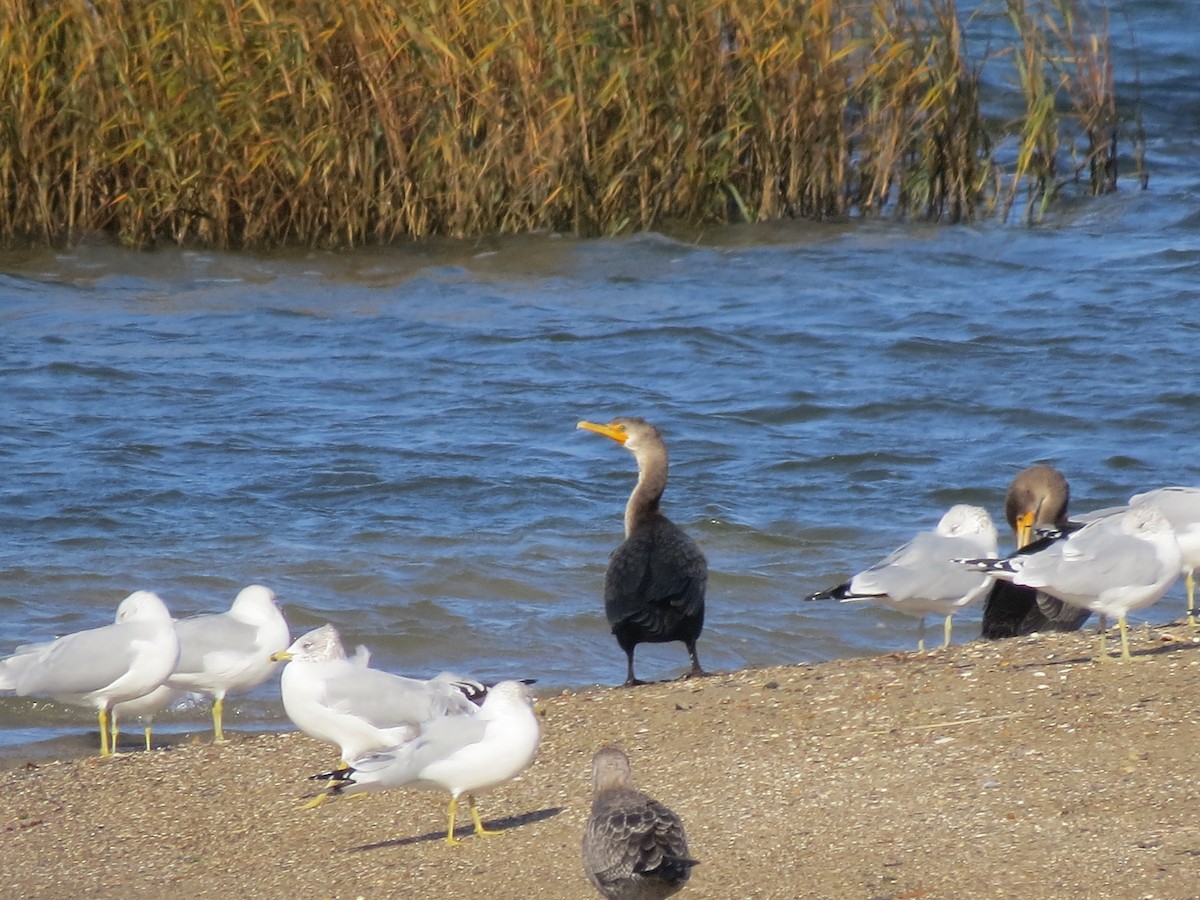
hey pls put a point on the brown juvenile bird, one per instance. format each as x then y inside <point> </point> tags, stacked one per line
<point>634,848</point>
<point>654,587</point>
<point>1037,498</point>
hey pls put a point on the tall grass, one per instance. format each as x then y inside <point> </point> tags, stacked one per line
<point>1064,64</point>
<point>341,122</point>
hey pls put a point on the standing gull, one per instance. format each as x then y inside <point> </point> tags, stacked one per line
<point>1037,498</point>
<point>654,586</point>
<point>100,667</point>
<point>634,848</point>
<point>1181,507</point>
<point>359,709</point>
<point>1115,565</point>
<point>230,652</point>
<point>921,577</point>
<point>459,754</point>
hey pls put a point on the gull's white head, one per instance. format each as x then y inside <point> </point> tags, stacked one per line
<point>255,605</point>
<point>1145,520</point>
<point>322,644</point>
<point>961,520</point>
<point>143,606</point>
<point>507,696</point>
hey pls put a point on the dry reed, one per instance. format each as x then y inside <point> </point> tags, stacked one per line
<point>342,122</point>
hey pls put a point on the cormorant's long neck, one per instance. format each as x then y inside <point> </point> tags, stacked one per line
<point>652,481</point>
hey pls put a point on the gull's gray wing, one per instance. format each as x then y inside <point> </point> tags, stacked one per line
<point>200,636</point>
<point>1091,561</point>
<point>922,568</point>
<point>81,662</point>
<point>438,740</point>
<point>386,700</point>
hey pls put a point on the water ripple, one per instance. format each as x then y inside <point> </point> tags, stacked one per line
<point>388,437</point>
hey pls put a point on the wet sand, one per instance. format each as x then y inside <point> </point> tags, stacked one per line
<point>1019,768</point>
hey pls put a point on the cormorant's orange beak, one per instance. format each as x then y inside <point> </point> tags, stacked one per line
<point>1024,529</point>
<point>614,431</point>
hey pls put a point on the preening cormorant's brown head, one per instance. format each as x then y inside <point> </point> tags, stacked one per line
<point>1038,496</point>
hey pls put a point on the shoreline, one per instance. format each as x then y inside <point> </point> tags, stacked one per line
<point>1005,768</point>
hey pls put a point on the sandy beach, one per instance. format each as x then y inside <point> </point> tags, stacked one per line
<point>1021,768</point>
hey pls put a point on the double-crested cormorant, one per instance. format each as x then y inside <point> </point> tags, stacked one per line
<point>230,652</point>
<point>1037,498</point>
<point>921,577</point>
<point>100,667</point>
<point>1114,565</point>
<point>654,587</point>
<point>460,754</point>
<point>634,848</point>
<point>1181,507</point>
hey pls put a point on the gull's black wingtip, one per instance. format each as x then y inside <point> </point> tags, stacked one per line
<point>987,564</point>
<point>338,778</point>
<point>841,592</point>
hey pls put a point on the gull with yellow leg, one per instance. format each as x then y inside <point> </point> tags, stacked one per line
<point>230,652</point>
<point>100,667</point>
<point>144,708</point>
<point>459,754</point>
<point>1181,508</point>
<point>921,577</point>
<point>343,701</point>
<point>1119,563</point>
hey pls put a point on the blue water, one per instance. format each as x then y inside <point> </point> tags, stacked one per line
<point>387,437</point>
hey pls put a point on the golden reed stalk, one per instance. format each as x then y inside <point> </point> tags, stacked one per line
<point>257,123</point>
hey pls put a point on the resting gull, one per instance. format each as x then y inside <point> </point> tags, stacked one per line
<point>459,754</point>
<point>103,666</point>
<point>1114,565</point>
<point>921,578</point>
<point>230,652</point>
<point>144,708</point>
<point>359,709</point>
<point>1181,507</point>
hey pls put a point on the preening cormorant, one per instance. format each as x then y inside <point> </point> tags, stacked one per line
<point>1037,498</point>
<point>654,587</point>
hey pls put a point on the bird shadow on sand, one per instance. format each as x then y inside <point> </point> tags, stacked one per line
<point>1169,645</point>
<point>494,825</point>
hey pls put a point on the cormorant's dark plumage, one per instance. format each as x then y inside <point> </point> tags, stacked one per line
<point>1037,498</point>
<point>654,587</point>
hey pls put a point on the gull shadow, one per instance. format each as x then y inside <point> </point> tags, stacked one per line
<point>1162,648</point>
<point>495,825</point>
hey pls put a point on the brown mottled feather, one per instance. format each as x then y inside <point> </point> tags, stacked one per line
<point>634,848</point>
